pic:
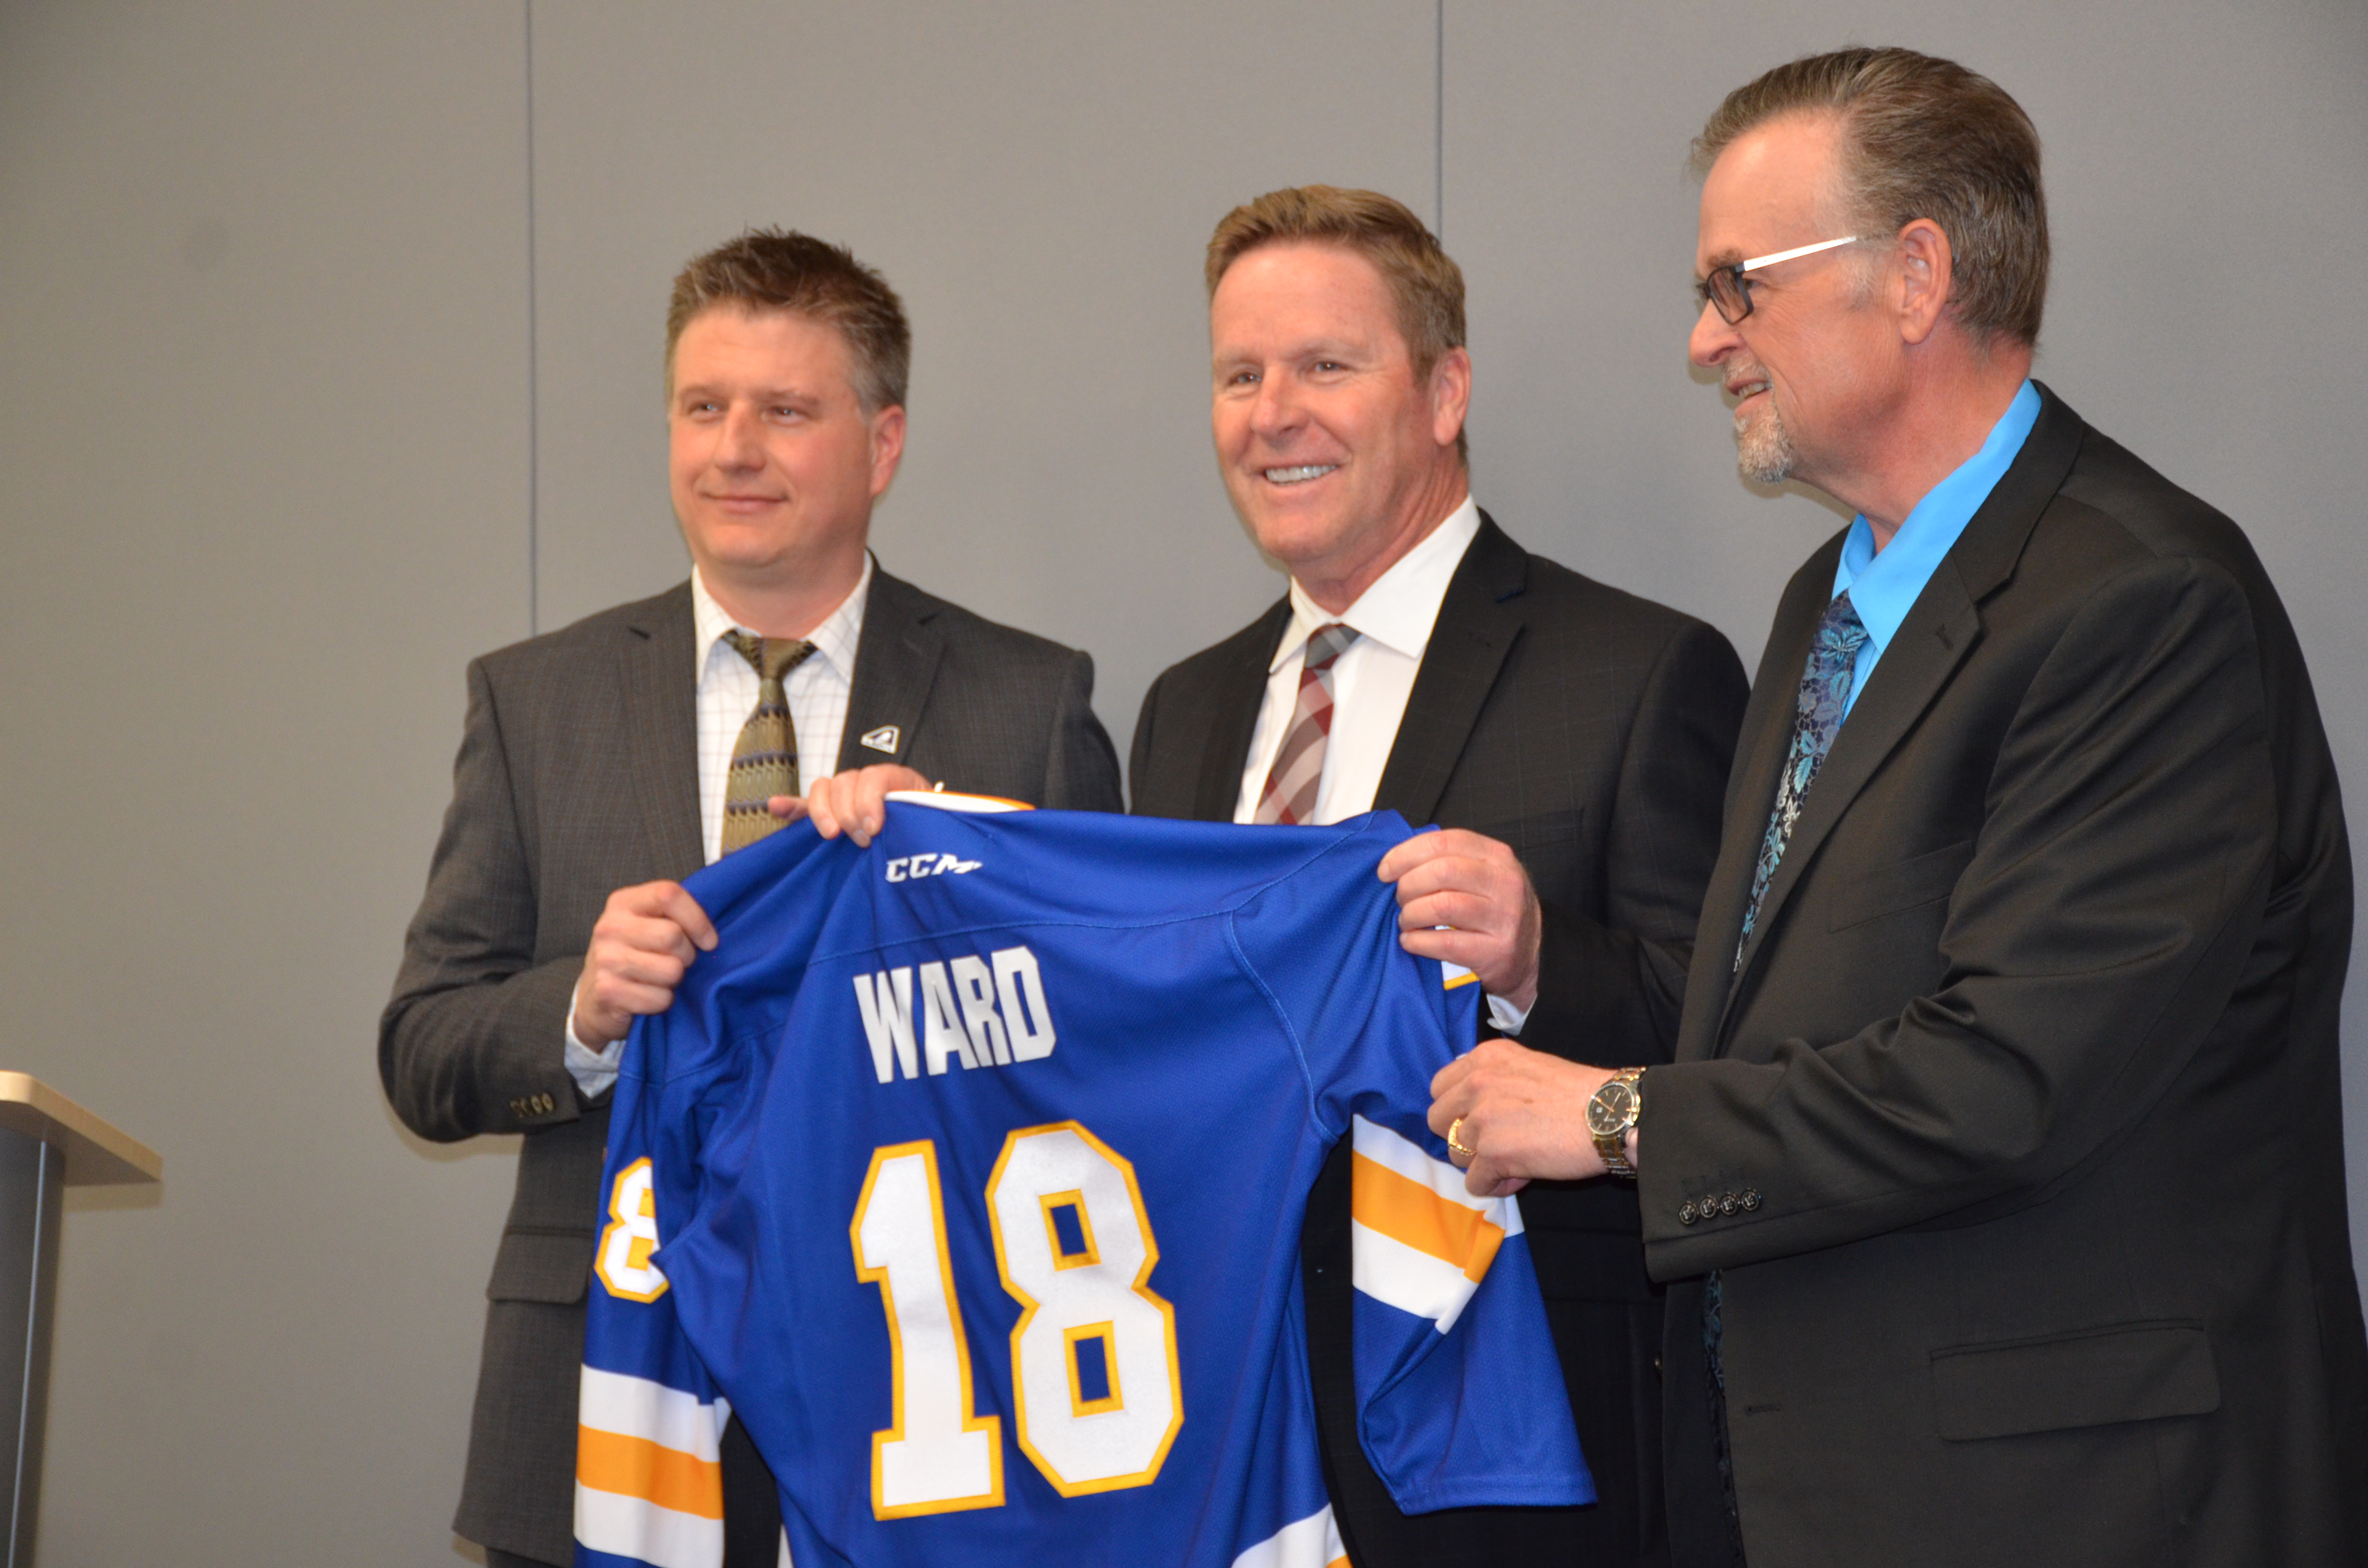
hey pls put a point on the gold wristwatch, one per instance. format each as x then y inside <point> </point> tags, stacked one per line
<point>1611,1114</point>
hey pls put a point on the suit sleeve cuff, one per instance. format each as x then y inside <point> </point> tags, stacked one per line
<point>595,1072</point>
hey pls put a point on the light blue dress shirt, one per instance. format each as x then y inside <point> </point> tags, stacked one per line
<point>1883,585</point>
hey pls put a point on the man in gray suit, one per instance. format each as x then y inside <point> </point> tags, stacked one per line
<point>601,763</point>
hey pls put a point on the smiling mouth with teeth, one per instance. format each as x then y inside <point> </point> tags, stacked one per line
<point>1299,475</point>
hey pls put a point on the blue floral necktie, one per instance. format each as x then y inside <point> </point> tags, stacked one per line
<point>1825,692</point>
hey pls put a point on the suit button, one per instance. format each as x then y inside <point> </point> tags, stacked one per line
<point>1729,1204</point>
<point>542,1104</point>
<point>1686,1215</point>
<point>1750,1199</point>
<point>518,1109</point>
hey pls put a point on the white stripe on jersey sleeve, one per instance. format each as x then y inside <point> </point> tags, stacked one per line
<point>948,801</point>
<point>631,1528</point>
<point>1398,1276</point>
<point>1310,1542</point>
<point>637,1407</point>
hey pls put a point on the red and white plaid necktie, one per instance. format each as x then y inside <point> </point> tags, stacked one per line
<point>1291,785</point>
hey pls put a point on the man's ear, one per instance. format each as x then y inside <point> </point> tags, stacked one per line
<point>1451,395</point>
<point>887,447</point>
<point>1927,268</point>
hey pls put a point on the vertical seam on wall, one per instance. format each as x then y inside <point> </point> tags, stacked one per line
<point>533,367</point>
<point>1438,124</point>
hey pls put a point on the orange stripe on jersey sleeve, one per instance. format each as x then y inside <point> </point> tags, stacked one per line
<point>635,1467</point>
<point>1410,1214</point>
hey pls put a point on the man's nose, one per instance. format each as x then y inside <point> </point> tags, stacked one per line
<point>740,444</point>
<point>1276,409</point>
<point>1711,339</point>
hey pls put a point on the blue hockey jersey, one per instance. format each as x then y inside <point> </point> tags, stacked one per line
<point>969,1171</point>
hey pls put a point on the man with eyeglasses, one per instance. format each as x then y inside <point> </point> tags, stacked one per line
<point>1998,1178</point>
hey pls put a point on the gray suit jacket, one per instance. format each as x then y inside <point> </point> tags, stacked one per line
<point>578,775</point>
<point>1590,729</point>
<point>2016,1138</point>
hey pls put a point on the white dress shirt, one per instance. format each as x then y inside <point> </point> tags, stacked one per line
<point>727,688</point>
<point>1370,683</point>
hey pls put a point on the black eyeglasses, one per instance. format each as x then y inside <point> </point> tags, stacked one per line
<point>1724,287</point>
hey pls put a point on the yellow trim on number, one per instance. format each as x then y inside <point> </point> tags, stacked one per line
<point>1125,1168</point>
<point>1107,1332</point>
<point>926,1152</point>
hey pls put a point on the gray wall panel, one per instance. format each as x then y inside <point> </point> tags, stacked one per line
<point>262,482</point>
<point>1038,183</point>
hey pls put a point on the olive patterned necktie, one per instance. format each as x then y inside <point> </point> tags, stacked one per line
<point>765,758</point>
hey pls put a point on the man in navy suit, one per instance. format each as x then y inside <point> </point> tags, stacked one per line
<point>1573,740</point>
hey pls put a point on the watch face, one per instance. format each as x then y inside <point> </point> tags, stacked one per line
<point>1612,1109</point>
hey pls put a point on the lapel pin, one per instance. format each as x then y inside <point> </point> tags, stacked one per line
<point>882,739</point>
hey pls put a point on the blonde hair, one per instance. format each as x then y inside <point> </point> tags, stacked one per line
<point>1424,281</point>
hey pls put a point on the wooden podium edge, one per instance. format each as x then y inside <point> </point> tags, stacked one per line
<point>97,1154</point>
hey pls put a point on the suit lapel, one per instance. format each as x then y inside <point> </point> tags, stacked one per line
<point>1939,632</point>
<point>660,682</point>
<point>895,664</point>
<point>1479,620</point>
<point>1934,639</point>
<point>1240,692</point>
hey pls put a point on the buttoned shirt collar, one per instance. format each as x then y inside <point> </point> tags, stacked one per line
<point>834,640</point>
<point>1402,606</point>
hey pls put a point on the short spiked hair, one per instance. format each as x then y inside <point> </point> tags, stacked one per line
<point>780,269</point>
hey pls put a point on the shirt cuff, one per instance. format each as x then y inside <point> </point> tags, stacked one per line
<point>596,1071</point>
<point>1509,1018</point>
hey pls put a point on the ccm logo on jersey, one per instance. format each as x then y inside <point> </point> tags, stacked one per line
<point>977,1012</point>
<point>906,868</point>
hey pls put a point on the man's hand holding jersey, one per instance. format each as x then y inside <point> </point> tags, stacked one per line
<point>648,934</point>
<point>855,802</point>
<point>1464,899</point>
<point>645,937</point>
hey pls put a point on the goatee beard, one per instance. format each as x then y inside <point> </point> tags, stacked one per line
<point>1763,448</point>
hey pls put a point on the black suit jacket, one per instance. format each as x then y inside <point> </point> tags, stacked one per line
<point>1591,731</point>
<point>2026,1086</point>
<point>577,774</point>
